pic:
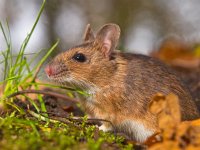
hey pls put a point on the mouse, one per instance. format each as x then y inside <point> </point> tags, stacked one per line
<point>120,85</point>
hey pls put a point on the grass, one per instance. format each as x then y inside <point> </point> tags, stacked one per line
<point>17,72</point>
<point>25,129</point>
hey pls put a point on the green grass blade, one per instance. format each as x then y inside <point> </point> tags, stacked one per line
<point>24,44</point>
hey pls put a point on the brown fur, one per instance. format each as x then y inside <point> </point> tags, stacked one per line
<point>120,85</point>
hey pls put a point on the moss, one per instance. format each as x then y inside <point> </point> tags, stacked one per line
<point>22,132</point>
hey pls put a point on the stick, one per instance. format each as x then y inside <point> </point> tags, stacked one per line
<point>44,93</point>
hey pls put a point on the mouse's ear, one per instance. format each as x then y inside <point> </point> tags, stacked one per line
<point>107,37</point>
<point>88,35</point>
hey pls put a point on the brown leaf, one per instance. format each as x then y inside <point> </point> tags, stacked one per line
<point>168,113</point>
<point>195,122</point>
<point>155,138</point>
<point>167,145</point>
<point>173,107</point>
<point>177,53</point>
<point>68,108</point>
<point>166,108</point>
<point>175,134</point>
<point>157,104</point>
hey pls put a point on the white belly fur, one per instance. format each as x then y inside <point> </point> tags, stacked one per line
<point>135,130</point>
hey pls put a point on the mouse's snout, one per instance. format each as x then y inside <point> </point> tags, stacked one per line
<point>49,70</point>
<point>53,70</point>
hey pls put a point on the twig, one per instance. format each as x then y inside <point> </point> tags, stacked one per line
<point>51,93</point>
<point>43,118</point>
<point>80,119</point>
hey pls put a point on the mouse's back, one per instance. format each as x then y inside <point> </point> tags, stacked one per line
<point>150,76</point>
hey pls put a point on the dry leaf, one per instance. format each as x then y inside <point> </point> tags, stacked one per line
<point>166,108</point>
<point>175,134</point>
<point>157,104</point>
<point>178,53</point>
<point>173,107</point>
<point>167,145</point>
<point>195,122</point>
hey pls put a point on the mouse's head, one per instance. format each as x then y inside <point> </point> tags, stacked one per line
<point>90,64</point>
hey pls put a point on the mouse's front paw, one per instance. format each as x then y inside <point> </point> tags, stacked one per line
<point>105,128</point>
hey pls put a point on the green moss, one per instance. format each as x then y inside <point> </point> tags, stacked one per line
<point>22,132</point>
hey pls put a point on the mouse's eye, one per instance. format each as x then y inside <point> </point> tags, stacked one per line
<point>79,57</point>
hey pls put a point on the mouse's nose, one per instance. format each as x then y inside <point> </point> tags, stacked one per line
<point>49,70</point>
<point>54,69</point>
